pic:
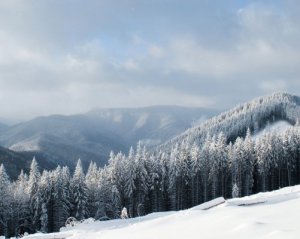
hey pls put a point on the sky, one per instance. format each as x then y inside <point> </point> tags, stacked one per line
<point>70,56</point>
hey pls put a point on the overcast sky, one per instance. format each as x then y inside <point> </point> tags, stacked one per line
<point>69,56</point>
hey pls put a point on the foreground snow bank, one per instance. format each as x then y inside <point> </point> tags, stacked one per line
<point>264,215</point>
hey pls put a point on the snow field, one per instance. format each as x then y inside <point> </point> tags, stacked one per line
<point>265,215</point>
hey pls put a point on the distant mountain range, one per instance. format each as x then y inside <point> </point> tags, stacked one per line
<point>59,139</point>
<point>63,139</point>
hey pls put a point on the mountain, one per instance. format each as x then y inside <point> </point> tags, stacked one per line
<point>264,215</point>
<point>255,115</point>
<point>14,162</point>
<point>152,125</point>
<point>2,126</point>
<point>91,136</point>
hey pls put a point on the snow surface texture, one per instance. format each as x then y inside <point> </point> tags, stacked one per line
<point>264,215</point>
<point>279,127</point>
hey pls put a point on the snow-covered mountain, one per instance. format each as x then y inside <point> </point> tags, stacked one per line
<point>91,136</point>
<point>264,215</point>
<point>255,115</point>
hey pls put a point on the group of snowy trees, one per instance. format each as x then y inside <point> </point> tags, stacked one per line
<point>145,182</point>
<point>41,202</point>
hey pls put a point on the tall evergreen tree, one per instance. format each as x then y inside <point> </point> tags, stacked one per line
<point>21,210</point>
<point>34,195</point>
<point>61,197</point>
<point>79,193</point>
<point>141,184</point>
<point>4,201</point>
<point>91,180</point>
<point>130,186</point>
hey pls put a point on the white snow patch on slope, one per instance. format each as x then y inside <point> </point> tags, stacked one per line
<point>26,145</point>
<point>276,216</point>
<point>278,127</point>
<point>142,120</point>
<point>165,121</point>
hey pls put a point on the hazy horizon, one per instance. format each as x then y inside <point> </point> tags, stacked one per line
<point>68,57</point>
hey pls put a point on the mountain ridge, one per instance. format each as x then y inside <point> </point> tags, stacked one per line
<point>91,136</point>
<point>277,106</point>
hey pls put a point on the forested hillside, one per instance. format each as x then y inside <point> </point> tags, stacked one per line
<point>254,115</point>
<point>191,169</point>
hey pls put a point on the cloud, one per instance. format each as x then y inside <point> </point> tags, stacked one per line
<point>273,86</point>
<point>71,56</point>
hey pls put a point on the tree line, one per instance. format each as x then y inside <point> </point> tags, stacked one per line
<point>144,181</point>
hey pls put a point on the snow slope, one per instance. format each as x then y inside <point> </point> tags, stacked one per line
<point>264,215</point>
<point>279,127</point>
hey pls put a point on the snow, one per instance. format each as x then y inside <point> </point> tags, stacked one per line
<point>26,145</point>
<point>278,127</point>
<point>265,215</point>
<point>210,204</point>
<point>142,120</point>
<point>165,121</point>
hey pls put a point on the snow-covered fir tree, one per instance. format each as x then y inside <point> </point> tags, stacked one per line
<point>79,193</point>
<point>4,201</point>
<point>34,195</point>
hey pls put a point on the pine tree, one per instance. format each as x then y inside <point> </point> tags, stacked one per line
<point>205,168</point>
<point>140,182</point>
<point>61,197</point>
<point>248,148</point>
<point>20,208</point>
<point>46,200</point>
<point>222,161</point>
<point>196,173</point>
<point>263,151</point>
<point>174,183</point>
<point>154,180</point>
<point>79,192</point>
<point>237,163</point>
<point>34,194</point>
<point>44,218</point>
<point>130,182</point>
<point>214,168</point>
<point>91,180</point>
<point>186,175</point>
<point>4,201</point>
<point>118,177</point>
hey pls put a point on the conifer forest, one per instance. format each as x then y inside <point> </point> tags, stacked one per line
<point>230,155</point>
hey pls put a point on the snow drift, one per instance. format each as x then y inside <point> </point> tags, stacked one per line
<point>264,215</point>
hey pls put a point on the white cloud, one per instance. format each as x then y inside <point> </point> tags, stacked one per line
<point>65,57</point>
